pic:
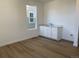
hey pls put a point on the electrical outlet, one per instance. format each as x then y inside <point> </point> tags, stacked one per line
<point>71,34</point>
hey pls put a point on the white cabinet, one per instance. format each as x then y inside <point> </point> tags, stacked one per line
<point>51,32</point>
<point>54,33</point>
<point>45,31</point>
<point>41,30</point>
<point>48,32</point>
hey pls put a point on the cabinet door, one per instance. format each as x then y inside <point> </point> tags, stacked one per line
<point>41,30</point>
<point>54,33</point>
<point>49,32</point>
<point>45,31</point>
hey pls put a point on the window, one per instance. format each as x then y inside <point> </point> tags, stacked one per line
<point>31,16</point>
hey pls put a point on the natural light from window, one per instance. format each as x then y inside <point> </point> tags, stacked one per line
<point>31,12</point>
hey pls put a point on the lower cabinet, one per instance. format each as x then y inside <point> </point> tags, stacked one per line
<point>51,32</point>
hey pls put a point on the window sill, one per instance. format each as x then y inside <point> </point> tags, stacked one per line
<point>33,29</point>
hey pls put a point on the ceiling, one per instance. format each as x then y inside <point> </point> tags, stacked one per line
<point>44,1</point>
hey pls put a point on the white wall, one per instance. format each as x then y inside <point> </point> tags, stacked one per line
<point>77,22</point>
<point>62,12</point>
<point>13,22</point>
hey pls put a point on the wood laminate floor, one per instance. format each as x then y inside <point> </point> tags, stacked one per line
<point>39,48</point>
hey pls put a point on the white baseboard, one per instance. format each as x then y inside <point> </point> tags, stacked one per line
<point>15,41</point>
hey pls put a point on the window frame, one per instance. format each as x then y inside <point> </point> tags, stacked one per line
<point>28,17</point>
